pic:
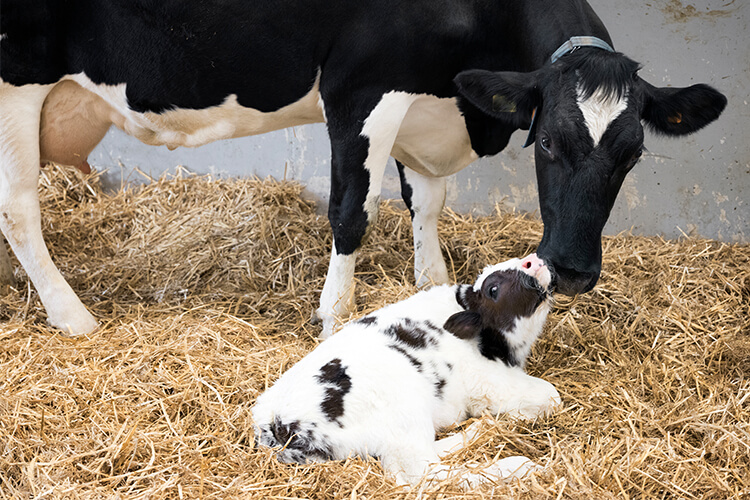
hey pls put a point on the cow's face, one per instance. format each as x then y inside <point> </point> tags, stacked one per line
<point>590,106</point>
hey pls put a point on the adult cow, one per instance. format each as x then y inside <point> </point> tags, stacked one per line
<point>380,73</point>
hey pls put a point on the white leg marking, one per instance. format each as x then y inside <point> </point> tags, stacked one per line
<point>599,111</point>
<point>428,199</point>
<point>336,300</point>
<point>381,128</point>
<point>20,218</point>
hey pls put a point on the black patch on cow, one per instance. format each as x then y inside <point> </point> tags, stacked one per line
<point>411,333</point>
<point>367,321</point>
<point>333,376</point>
<point>406,190</point>
<point>414,361</point>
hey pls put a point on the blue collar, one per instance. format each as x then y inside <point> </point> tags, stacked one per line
<point>579,41</point>
<point>569,46</point>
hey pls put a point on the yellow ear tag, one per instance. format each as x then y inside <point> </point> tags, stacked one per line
<point>676,118</point>
<point>501,104</point>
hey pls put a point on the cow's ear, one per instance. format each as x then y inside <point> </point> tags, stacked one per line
<point>506,95</point>
<point>680,111</point>
<point>464,324</point>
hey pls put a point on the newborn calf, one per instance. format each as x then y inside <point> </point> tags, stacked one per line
<point>385,383</point>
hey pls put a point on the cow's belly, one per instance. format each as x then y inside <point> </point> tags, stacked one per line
<point>70,105</point>
<point>433,139</point>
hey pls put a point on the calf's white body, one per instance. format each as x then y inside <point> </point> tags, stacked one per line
<point>384,384</point>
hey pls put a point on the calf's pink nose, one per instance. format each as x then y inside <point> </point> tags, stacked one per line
<point>532,262</point>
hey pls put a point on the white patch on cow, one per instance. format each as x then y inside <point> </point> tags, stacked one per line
<point>337,297</point>
<point>599,111</point>
<point>428,198</point>
<point>196,127</point>
<point>433,139</point>
<point>381,128</point>
<point>20,217</point>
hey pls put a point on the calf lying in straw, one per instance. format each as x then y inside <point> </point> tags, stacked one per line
<point>385,383</point>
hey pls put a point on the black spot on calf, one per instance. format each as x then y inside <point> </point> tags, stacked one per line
<point>367,321</point>
<point>414,361</point>
<point>412,333</point>
<point>338,384</point>
<point>439,385</point>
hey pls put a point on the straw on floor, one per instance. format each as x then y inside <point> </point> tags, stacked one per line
<point>205,288</point>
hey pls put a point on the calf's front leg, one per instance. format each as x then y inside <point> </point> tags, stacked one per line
<point>521,395</point>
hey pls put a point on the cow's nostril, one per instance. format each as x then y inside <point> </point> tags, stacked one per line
<point>527,265</point>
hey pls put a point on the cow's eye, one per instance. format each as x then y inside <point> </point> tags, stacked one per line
<point>493,292</point>
<point>635,158</point>
<point>546,143</point>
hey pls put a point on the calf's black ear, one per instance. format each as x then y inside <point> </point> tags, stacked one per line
<point>464,324</point>
<point>680,111</point>
<point>507,95</point>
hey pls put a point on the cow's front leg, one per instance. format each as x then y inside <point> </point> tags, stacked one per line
<point>425,197</point>
<point>362,129</point>
<point>20,216</point>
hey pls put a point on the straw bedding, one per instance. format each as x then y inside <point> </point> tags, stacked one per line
<point>205,289</point>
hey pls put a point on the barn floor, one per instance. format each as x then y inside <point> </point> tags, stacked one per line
<point>205,288</point>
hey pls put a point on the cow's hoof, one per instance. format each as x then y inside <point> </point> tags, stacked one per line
<point>327,322</point>
<point>76,327</point>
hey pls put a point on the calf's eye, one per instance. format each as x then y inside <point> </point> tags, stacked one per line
<point>493,292</point>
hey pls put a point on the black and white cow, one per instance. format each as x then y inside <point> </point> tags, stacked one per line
<point>380,73</point>
<point>385,383</point>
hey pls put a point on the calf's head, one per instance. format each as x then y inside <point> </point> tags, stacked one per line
<point>506,308</point>
<point>589,108</point>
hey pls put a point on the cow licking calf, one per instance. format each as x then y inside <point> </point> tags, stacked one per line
<point>385,383</point>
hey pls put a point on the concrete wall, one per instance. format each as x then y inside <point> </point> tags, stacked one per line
<point>699,185</point>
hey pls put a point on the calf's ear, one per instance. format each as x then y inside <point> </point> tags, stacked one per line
<point>464,324</point>
<point>506,95</point>
<point>680,111</point>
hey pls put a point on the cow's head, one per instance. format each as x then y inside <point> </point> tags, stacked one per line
<point>590,106</point>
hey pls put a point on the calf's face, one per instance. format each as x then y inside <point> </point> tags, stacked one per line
<point>507,305</point>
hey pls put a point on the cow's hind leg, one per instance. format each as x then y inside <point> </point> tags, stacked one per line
<point>6,269</point>
<point>362,131</point>
<point>20,217</point>
<point>425,198</point>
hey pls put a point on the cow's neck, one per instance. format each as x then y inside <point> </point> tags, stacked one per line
<point>548,24</point>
